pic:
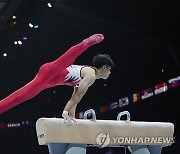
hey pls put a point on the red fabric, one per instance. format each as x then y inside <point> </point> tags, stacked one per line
<point>48,75</point>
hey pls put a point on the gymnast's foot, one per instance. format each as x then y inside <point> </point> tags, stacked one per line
<point>94,39</point>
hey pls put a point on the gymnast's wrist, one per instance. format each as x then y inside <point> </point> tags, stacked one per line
<point>65,114</point>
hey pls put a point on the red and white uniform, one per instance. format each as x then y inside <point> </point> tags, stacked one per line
<point>72,76</point>
<point>58,72</point>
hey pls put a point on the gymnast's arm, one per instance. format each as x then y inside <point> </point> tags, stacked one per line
<point>79,92</point>
<point>73,109</point>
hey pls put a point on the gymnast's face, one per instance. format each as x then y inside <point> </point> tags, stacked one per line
<point>106,71</point>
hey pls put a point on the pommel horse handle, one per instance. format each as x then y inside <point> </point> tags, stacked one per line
<point>124,113</point>
<point>92,112</point>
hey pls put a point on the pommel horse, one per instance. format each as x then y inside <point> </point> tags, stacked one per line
<point>105,133</point>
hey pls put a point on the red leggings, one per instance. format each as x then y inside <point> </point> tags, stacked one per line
<point>45,74</point>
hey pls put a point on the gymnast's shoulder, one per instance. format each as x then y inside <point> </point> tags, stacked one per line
<point>88,71</point>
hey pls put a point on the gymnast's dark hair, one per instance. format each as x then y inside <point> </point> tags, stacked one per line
<point>102,59</point>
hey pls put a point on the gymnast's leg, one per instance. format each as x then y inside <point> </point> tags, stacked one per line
<point>69,56</point>
<point>47,72</point>
<point>25,93</point>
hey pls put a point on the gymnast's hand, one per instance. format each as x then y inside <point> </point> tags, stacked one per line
<point>67,118</point>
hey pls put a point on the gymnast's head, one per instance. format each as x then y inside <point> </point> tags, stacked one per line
<point>103,63</point>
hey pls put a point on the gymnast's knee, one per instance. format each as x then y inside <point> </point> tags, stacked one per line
<point>43,68</point>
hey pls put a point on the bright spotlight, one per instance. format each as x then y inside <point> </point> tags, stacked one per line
<point>14,17</point>
<point>5,54</point>
<point>49,4</point>
<point>31,25</point>
<point>19,42</point>
<point>37,26</point>
<point>15,42</point>
<point>24,38</point>
<point>14,23</point>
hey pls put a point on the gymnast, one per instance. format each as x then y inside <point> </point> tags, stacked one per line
<point>62,72</point>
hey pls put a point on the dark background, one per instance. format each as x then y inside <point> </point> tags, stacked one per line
<point>141,36</point>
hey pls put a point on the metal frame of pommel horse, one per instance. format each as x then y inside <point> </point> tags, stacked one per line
<point>46,126</point>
